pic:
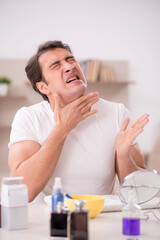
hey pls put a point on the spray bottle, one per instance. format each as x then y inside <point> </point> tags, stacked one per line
<point>57,195</point>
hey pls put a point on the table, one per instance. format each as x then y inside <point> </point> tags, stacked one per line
<point>102,227</point>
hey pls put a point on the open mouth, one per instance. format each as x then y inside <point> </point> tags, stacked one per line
<point>72,79</point>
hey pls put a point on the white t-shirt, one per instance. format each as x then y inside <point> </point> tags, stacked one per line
<point>87,161</point>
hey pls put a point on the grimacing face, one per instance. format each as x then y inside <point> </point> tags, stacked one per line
<point>63,75</point>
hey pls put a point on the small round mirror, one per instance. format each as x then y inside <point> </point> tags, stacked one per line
<point>144,183</point>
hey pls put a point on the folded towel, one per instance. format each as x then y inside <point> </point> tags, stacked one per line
<point>113,203</point>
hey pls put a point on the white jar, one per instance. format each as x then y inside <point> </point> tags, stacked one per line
<point>14,204</point>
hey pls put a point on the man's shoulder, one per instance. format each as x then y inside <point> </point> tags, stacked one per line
<point>108,104</point>
<point>37,110</point>
<point>38,107</point>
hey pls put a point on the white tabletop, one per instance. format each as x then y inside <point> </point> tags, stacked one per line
<point>104,226</point>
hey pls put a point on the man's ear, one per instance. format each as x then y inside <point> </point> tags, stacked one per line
<point>42,87</point>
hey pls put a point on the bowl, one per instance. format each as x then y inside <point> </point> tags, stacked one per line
<point>94,203</point>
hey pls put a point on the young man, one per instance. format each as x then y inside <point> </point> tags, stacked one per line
<point>73,135</point>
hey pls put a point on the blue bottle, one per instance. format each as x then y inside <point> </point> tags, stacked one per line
<point>57,195</point>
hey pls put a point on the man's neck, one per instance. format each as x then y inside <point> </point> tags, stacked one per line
<point>62,102</point>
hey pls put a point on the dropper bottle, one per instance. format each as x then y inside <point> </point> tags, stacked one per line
<point>57,195</point>
<point>131,217</point>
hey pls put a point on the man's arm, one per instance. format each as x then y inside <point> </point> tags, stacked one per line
<point>129,157</point>
<point>36,163</point>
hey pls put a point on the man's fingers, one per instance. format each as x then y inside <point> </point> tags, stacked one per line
<point>85,99</point>
<point>88,106</point>
<point>89,114</point>
<point>125,124</point>
<point>134,134</point>
<point>142,120</point>
<point>135,129</point>
<point>142,124</point>
<point>57,100</point>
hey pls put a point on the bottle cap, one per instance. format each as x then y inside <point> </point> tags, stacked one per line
<point>13,192</point>
<point>57,183</point>
<point>12,180</point>
<point>79,204</point>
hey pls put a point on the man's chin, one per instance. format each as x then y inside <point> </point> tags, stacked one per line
<point>73,96</point>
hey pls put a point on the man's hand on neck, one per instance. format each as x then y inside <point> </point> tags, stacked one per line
<point>68,116</point>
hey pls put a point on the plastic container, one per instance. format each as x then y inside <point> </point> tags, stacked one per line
<point>57,195</point>
<point>14,204</point>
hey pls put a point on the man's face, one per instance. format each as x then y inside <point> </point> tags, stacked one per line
<point>62,74</point>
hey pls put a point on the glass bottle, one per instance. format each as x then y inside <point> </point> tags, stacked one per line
<point>59,223</point>
<point>79,222</point>
<point>131,218</point>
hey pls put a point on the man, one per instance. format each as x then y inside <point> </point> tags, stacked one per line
<point>73,135</point>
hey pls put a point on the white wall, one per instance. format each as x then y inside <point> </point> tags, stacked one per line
<point>115,29</point>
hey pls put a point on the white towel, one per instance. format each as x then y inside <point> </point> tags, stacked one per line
<point>113,203</point>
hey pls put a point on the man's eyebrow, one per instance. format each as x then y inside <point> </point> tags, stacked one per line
<point>69,57</point>
<point>57,62</point>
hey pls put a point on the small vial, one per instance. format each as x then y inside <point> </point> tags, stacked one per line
<point>59,223</point>
<point>131,218</point>
<point>79,222</point>
<point>57,195</point>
